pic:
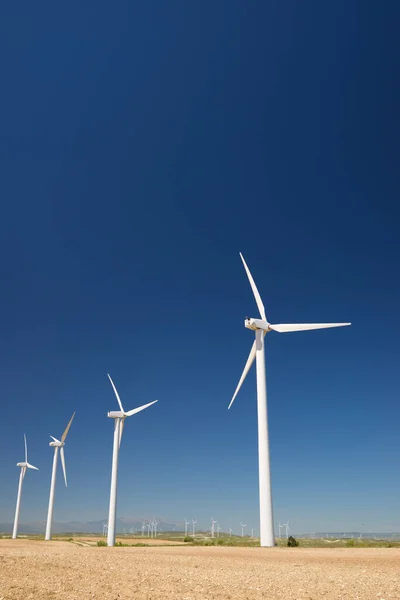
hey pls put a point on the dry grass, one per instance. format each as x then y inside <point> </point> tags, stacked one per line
<point>65,571</point>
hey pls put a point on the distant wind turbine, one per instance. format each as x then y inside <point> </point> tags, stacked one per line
<point>58,446</point>
<point>119,419</point>
<point>261,327</point>
<point>243,525</point>
<point>186,526</point>
<point>24,466</point>
<point>193,523</point>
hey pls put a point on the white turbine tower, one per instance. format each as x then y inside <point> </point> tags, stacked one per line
<point>24,466</point>
<point>261,327</point>
<point>243,525</point>
<point>230,531</point>
<point>58,446</point>
<point>119,417</point>
<point>193,524</point>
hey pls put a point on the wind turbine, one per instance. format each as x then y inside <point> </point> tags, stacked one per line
<point>243,525</point>
<point>193,524</point>
<point>186,526</point>
<point>58,446</point>
<point>230,531</point>
<point>24,466</point>
<point>286,525</point>
<point>213,527</point>
<point>119,417</point>
<point>261,327</point>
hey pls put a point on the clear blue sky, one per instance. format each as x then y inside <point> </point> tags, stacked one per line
<point>143,145</point>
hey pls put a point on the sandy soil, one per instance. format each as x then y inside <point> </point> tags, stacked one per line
<point>62,570</point>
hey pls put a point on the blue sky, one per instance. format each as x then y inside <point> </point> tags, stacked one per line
<point>143,146</point>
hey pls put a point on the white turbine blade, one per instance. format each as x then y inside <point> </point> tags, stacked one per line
<point>64,435</point>
<point>246,369</point>
<point>121,428</point>
<point>136,410</point>
<point>287,327</point>
<point>116,393</point>
<point>255,290</point>
<point>55,439</point>
<point>63,464</point>
<point>32,467</point>
<point>26,449</point>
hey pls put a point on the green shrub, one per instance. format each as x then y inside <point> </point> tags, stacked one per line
<point>292,542</point>
<point>188,538</point>
<point>350,543</point>
<point>102,543</point>
<point>220,541</point>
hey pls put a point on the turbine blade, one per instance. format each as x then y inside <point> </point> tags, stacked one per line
<point>287,327</point>
<point>116,393</point>
<point>63,464</point>
<point>26,449</point>
<point>55,439</point>
<point>246,369</point>
<point>64,435</point>
<point>121,429</point>
<point>32,467</point>
<point>255,290</point>
<point>140,408</point>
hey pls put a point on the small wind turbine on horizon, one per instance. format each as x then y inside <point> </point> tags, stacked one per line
<point>58,446</point>
<point>213,521</point>
<point>243,525</point>
<point>193,523</point>
<point>23,466</point>
<point>261,327</point>
<point>119,419</point>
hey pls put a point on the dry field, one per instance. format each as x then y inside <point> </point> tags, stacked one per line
<point>67,571</point>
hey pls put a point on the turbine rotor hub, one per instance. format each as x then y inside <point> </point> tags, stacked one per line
<point>255,324</point>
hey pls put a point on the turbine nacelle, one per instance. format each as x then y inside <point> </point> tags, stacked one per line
<point>255,324</point>
<point>116,414</point>
<point>55,442</point>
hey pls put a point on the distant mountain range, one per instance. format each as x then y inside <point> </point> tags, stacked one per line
<point>123,525</point>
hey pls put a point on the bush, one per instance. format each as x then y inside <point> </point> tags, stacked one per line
<point>220,541</point>
<point>188,538</point>
<point>102,543</point>
<point>292,542</point>
<point>350,543</point>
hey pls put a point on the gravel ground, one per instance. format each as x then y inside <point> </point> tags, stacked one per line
<point>62,570</point>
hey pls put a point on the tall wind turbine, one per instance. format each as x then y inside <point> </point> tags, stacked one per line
<point>243,526</point>
<point>58,446</point>
<point>193,524</point>
<point>119,417</point>
<point>261,327</point>
<point>24,466</point>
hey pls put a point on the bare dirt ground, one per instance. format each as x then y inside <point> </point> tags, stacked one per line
<point>66,571</point>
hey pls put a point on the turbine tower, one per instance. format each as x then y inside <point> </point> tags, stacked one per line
<point>58,446</point>
<point>243,525</point>
<point>193,523</point>
<point>24,466</point>
<point>119,419</point>
<point>261,327</point>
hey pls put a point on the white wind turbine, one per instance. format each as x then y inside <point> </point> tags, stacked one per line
<point>24,466</point>
<point>58,446</point>
<point>119,417</point>
<point>261,327</point>
<point>213,521</point>
<point>186,526</point>
<point>243,525</point>
<point>230,531</point>
<point>193,523</point>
